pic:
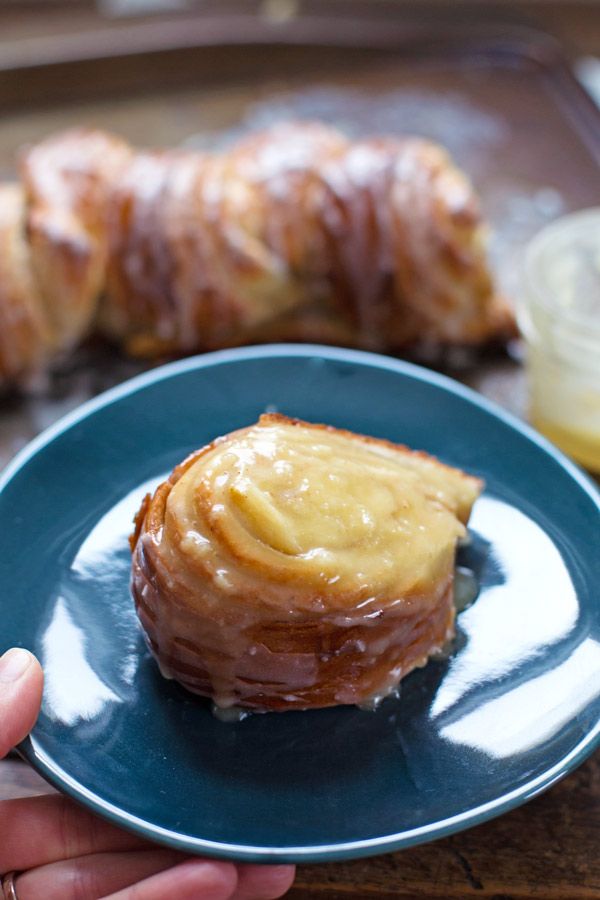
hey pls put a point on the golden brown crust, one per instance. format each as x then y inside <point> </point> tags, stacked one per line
<point>295,233</point>
<point>24,333</point>
<point>232,617</point>
<point>342,674</point>
<point>67,181</point>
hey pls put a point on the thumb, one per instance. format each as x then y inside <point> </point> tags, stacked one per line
<point>21,681</point>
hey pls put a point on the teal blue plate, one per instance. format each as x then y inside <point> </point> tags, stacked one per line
<point>516,706</point>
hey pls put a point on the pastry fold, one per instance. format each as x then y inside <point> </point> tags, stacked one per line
<point>294,233</point>
<point>292,565</point>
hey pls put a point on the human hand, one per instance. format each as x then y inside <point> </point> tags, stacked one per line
<point>60,851</point>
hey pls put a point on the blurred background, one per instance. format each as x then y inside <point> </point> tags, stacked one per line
<point>506,87</point>
<point>38,32</point>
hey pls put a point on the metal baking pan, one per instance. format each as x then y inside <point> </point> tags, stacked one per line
<point>500,96</point>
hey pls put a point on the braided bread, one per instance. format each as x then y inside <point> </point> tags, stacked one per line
<point>295,233</point>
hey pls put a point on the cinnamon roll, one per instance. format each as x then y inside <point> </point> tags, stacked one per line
<point>290,565</point>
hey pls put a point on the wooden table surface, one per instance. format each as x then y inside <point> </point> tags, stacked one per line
<point>549,848</point>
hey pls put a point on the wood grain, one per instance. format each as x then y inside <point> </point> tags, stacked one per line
<point>547,849</point>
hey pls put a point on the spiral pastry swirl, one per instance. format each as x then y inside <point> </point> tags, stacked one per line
<point>291,565</point>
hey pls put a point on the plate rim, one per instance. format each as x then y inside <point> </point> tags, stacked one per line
<point>256,351</point>
<point>58,778</point>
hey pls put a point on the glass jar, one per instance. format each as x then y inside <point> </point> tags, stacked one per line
<point>559,316</point>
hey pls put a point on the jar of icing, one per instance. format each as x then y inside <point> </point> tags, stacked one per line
<point>559,317</point>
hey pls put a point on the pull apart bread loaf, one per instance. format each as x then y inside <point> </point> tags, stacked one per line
<point>291,566</point>
<point>295,233</point>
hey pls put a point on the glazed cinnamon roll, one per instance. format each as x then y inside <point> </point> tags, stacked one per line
<point>291,566</point>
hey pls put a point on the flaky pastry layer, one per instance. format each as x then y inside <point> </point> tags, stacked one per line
<point>291,565</point>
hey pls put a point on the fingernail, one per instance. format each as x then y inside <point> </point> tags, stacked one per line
<point>13,664</point>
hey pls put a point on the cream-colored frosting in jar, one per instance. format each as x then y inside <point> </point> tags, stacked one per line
<point>559,316</point>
